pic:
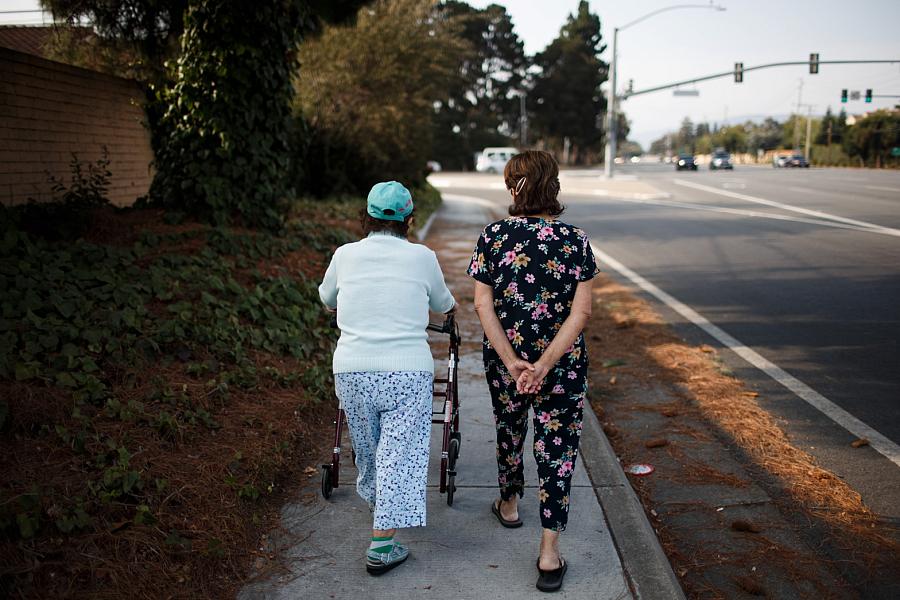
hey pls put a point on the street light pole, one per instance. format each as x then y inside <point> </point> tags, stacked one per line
<point>611,120</point>
<point>610,154</point>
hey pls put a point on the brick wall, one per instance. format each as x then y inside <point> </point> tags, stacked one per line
<point>49,110</point>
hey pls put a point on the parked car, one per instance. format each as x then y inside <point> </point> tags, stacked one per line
<point>493,160</point>
<point>685,162</point>
<point>720,160</point>
<point>787,162</point>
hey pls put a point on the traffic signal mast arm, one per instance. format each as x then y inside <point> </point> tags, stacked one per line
<point>743,69</point>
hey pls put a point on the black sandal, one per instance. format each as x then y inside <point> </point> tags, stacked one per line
<point>551,581</point>
<point>509,524</point>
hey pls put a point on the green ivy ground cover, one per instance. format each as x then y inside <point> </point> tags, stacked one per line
<point>90,337</point>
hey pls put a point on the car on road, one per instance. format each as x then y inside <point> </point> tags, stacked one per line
<point>787,162</point>
<point>493,160</point>
<point>685,162</point>
<point>720,160</point>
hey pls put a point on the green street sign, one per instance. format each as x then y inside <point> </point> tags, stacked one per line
<point>895,151</point>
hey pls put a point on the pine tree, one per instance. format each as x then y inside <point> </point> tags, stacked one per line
<point>482,107</point>
<point>566,97</point>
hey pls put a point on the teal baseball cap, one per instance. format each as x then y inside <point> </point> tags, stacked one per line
<point>389,201</point>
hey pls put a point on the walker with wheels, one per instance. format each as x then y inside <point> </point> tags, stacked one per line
<point>447,417</point>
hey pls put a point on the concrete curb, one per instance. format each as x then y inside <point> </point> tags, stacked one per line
<point>422,233</point>
<point>645,564</point>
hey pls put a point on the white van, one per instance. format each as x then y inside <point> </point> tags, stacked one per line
<point>493,160</point>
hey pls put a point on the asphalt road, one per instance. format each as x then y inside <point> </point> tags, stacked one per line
<point>802,266</point>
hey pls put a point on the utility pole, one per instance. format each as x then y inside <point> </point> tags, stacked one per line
<point>611,120</point>
<point>806,152</point>
<point>797,115</point>
<point>806,148</point>
<point>610,154</point>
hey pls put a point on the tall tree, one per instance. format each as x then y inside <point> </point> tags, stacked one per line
<point>224,148</point>
<point>136,37</point>
<point>367,95</point>
<point>872,137</point>
<point>732,138</point>
<point>684,139</point>
<point>566,96</point>
<point>764,136</point>
<point>832,128</point>
<point>482,104</point>
<point>826,131</point>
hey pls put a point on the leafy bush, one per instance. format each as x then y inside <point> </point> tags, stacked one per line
<point>348,207</point>
<point>87,187</point>
<point>832,156</point>
<point>65,216</point>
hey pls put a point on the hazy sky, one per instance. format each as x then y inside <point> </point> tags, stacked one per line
<point>686,43</point>
<point>681,44</point>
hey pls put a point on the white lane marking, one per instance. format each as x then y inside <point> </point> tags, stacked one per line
<point>801,190</point>
<point>734,186</point>
<point>882,188</point>
<point>879,442</point>
<point>620,195</point>
<point>741,212</point>
<point>797,209</point>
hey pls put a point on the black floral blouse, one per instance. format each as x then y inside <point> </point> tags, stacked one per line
<point>534,266</point>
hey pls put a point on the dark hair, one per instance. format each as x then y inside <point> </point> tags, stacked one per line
<point>370,224</point>
<point>533,177</point>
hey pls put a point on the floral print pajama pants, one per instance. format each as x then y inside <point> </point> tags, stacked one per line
<point>389,418</point>
<point>557,432</point>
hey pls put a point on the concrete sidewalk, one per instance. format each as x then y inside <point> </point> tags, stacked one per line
<point>575,181</point>
<point>464,553</point>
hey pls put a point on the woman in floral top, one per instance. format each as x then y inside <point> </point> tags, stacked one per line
<point>533,295</point>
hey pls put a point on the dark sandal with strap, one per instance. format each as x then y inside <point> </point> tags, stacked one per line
<point>509,524</point>
<point>551,581</point>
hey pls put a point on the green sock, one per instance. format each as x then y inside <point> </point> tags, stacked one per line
<point>382,544</point>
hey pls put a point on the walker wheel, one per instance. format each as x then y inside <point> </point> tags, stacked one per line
<point>327,482</point>
<point>453,452</point>
<point>451,487</point>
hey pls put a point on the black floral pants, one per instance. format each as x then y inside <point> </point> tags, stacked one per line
<point>557,432</point>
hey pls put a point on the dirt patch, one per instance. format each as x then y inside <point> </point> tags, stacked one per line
<point>731,498</point>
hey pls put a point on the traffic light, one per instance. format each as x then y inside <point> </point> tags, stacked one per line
<point>868,95</point>
<point>813,63</point>
<point>738,72</point>
<point>844,96</point>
